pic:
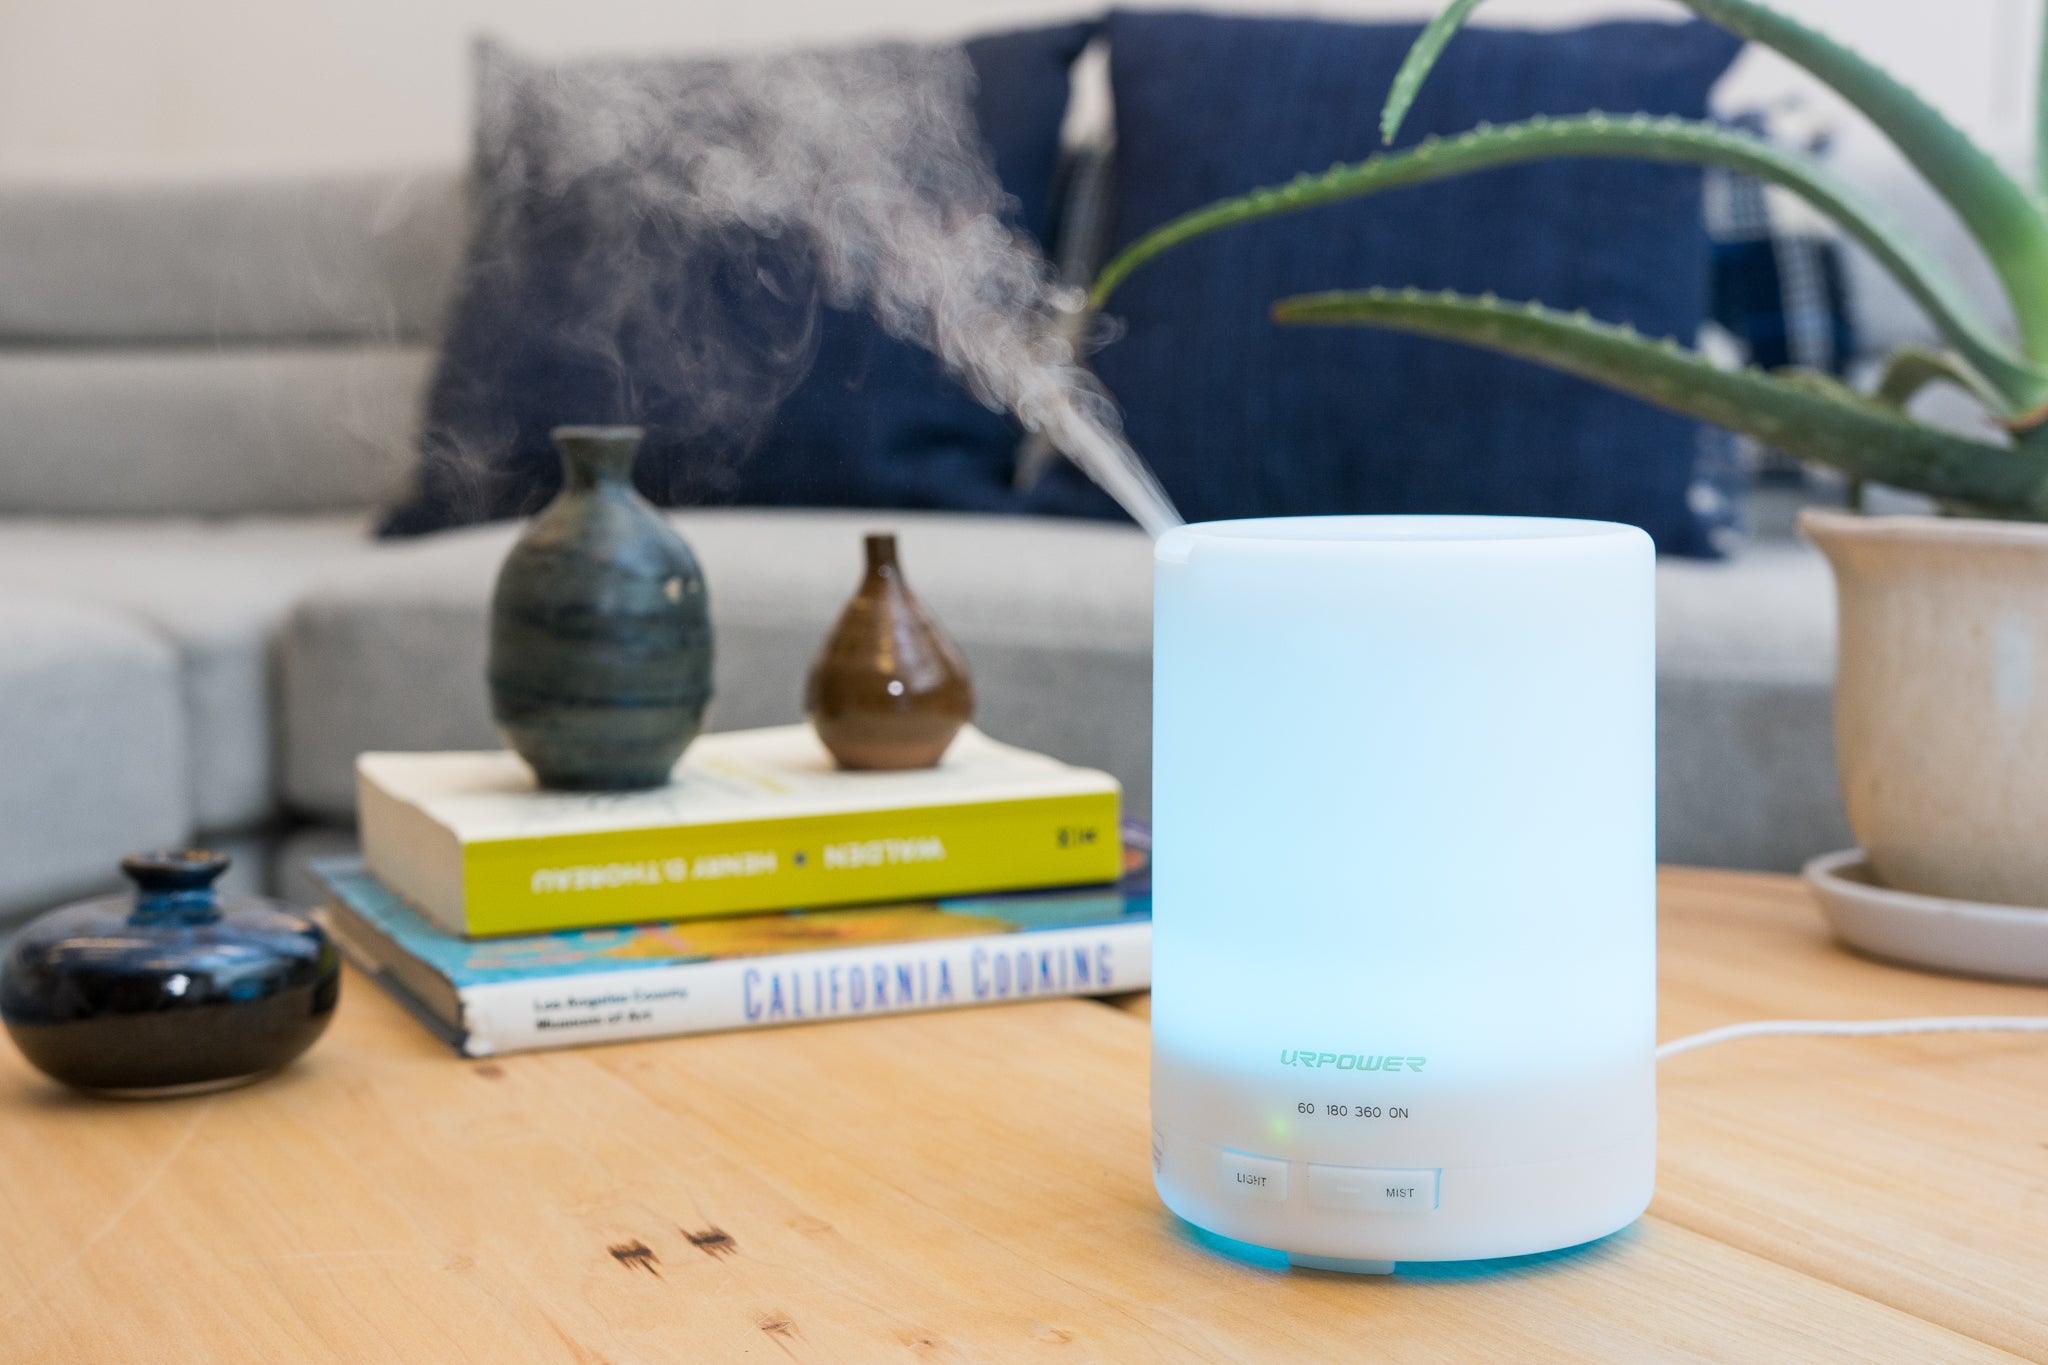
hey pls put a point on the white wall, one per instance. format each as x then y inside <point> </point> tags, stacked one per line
<point>198,87</point>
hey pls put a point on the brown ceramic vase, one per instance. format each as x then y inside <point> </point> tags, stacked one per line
<point>889,690</point>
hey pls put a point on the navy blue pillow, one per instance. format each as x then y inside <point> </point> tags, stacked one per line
<point>536,339</point>
<point>1241,417</point>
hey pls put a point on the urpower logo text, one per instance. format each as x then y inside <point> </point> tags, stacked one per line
<point>1352,1061</point>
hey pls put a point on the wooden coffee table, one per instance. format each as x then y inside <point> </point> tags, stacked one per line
<point>975,1186</point>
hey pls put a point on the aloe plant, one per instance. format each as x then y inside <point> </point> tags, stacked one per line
<point>1801,412</point>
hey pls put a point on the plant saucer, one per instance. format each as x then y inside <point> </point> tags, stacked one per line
<point>2008,942</point>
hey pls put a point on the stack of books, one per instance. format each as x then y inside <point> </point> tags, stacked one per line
<point>762,886</point>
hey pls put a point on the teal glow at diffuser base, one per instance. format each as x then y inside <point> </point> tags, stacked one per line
<point>1404,934</point>
<point>1266,1258</point>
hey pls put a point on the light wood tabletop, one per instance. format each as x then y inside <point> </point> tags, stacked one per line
<point>976,1186</point>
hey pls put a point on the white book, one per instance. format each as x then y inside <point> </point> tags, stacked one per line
<point>753,820</point>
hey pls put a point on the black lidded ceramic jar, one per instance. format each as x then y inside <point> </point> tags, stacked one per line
<point>600,664</point>
<point>174,989</point>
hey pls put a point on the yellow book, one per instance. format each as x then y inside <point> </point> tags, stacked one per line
<point>753,820</point>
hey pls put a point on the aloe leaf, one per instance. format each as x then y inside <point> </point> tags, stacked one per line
<point>2019,384</point>
<point>1416,66</point>
<point>2006,220</point>
<point>1910,369</point>
<point>1808,416</point>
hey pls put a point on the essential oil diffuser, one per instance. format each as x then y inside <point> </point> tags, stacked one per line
<point>1404,942</point>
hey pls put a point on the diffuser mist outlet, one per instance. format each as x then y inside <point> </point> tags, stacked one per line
<point>1404,944</point>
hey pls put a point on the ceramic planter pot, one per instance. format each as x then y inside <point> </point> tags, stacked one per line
<point>1941,700</point>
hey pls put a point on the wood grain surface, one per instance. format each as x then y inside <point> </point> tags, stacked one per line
<point>975,1186</point>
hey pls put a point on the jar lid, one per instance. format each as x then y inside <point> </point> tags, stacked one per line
<point>175,869</point>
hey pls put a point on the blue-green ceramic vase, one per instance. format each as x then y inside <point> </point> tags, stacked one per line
<point>600,664</point>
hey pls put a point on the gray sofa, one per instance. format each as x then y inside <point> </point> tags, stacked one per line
<point>205,390</point>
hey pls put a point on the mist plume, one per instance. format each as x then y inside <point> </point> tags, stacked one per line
<point>855,175</point>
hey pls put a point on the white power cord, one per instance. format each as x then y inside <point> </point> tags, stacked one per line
<point>1856,1028</point>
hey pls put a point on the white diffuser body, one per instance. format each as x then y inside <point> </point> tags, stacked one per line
<point>1404,963</point>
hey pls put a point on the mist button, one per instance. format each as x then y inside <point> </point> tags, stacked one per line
<point>1252,1177</point>
<point>1362,1189</point>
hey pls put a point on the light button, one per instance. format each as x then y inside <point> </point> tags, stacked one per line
<point>1360,1189</point>
<point>1252,1177</point>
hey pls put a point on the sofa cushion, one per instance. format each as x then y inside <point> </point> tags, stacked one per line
<point>94,736</point>
<point>597,290</point>
<point>1241,417</point>
<point>1765,614</point>
<point>212,593</point>
<point>1745,710</point>
<point>1054,617</point>
<point>207,431</point>
<point>357,257</point>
